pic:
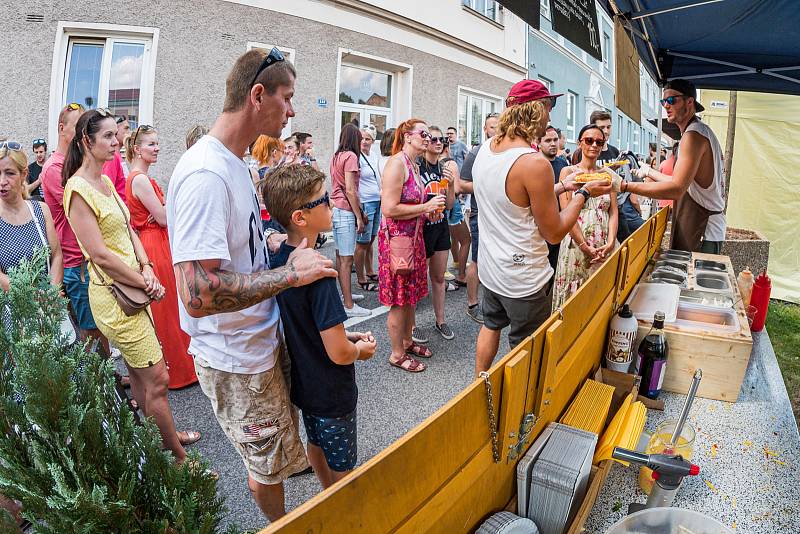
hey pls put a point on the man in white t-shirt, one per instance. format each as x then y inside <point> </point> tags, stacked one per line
<point>225,284</point>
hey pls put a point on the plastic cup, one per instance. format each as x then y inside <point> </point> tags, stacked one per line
<point>444,183</point>
<point>660,443</point>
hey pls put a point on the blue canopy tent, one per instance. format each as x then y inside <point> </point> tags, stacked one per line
<point>747,45</point>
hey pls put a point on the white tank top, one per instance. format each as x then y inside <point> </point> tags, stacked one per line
<point>713,198</point>
<point>512,251</point>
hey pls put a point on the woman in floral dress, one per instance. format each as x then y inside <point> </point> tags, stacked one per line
<point>403,207</point>
<point>593,237</point>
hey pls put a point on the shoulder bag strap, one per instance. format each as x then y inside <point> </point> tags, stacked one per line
<point>45,243</point>
<point>127,224</point>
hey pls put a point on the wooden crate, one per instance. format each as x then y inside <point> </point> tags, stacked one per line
<point>722,357</point>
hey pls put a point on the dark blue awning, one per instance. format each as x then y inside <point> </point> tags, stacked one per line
<point>747,45</point>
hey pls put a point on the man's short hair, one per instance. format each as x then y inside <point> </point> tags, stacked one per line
<point>302,136</point>
<point>38,143</point>
<point>653,146</point>
<point>551,127</point>
<point>67,109</point>
<point>288,187</point>
<point>599,116</point>
<point>452,128</point>
<point>240,78</point>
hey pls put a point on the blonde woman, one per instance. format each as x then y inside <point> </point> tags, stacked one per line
<point>149,219</point>
<point>100,221</point>
<point>25,225</point>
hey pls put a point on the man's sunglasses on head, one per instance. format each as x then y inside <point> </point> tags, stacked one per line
<point>273,57</point>
<point>39,141</point>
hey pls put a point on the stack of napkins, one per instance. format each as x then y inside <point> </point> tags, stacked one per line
<point>590,408</point>
<point>553,476</point>
<point>623,431</point>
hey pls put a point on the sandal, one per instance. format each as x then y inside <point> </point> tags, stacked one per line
<point>191,437</point>
<point>408,363</point>
<point>372,277</point>
<point>368,286</point>
<point>459,283</point>
<point>418,350</point>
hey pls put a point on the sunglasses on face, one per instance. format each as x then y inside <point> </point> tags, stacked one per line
<point>422,133</point>
<point>550,100</point>
<point>274,56</point>
<point>438,139</point>
<point>588,141</point>
<point>11,145</point>
<point>670,100</point>
<point>142,128</point>
<point>324,199</point>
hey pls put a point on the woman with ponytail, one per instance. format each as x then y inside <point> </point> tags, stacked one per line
<point>404,209</point>
<point>99,219</point>
<point>149,219</point>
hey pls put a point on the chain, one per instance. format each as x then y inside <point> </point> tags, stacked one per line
<point>492,421</point>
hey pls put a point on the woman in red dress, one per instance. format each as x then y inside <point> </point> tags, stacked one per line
<point>149,219</point>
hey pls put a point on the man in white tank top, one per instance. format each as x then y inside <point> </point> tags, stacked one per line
<point>697,183</point>
<point>514,187</point>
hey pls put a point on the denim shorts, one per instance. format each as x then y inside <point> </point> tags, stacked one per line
<point>336,436</point>
<point>344,231</point>
<point>78,293</point>
<point>456,214</point>
<point>372,210</point>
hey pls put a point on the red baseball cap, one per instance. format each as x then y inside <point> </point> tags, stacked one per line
<point>528,90</point>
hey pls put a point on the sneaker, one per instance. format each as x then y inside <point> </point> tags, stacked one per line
<point>451,287</point>
<point>475,313</point>
<point>417,336</point>
<point>449,276</point>
<point>357,297</point>
<point>445,331</point>
<point>357,311</point>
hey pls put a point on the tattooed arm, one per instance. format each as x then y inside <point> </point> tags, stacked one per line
<point>206,289</point>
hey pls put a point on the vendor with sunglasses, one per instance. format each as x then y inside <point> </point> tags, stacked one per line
<point>697,184</point>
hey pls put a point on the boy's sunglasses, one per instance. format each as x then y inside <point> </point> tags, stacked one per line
<point>11,145</point>
<point>39,141</point>
<point>670,100</point>
<point>439,139</point>
<point>592,141</point>
<point>324,199</point>
<point>274,56</point>
<point>142,128</point>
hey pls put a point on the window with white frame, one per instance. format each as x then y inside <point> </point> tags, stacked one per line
<point>473,107</point>
<point>572,113</point>
<point>488,8</point>
<point>606,49</point>
<point>107,72</point>
<point>289,55</point>
<point>544,8</point>
<point>547,83</point>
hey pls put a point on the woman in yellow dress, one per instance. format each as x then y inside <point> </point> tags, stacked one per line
<point>100,221</point>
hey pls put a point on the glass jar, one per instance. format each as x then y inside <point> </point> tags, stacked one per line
<point>660,443</point>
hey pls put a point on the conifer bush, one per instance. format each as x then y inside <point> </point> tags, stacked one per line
<point>70,450</point>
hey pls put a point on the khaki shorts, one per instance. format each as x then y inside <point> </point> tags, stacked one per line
<point>256,414</point>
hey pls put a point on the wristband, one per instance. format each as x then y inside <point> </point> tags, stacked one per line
<point>147,263</point>
<point>584,193</point>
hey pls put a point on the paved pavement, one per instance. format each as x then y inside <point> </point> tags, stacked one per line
<point>391,402</point>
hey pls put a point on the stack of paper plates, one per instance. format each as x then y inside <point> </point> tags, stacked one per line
<point>507,523</point>
<point>623,431</point>
<point>555,474</point>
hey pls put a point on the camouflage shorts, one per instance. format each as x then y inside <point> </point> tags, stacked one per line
<point>256,414</point>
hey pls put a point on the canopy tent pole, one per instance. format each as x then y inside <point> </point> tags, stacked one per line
<point>659,11</point>
<point>660,130</point>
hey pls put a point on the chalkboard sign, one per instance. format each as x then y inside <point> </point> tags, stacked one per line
<point>576,20</point>
<point>527,10</point>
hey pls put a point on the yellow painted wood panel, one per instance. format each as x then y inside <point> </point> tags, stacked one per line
<point>515,379</point>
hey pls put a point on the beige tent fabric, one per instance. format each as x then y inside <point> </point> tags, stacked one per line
<point>765,184</point>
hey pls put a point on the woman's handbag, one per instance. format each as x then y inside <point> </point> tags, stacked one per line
<point>131,300</point>
<point>402,251</point>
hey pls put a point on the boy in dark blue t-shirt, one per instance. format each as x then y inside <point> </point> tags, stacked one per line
<point>321,351</point>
